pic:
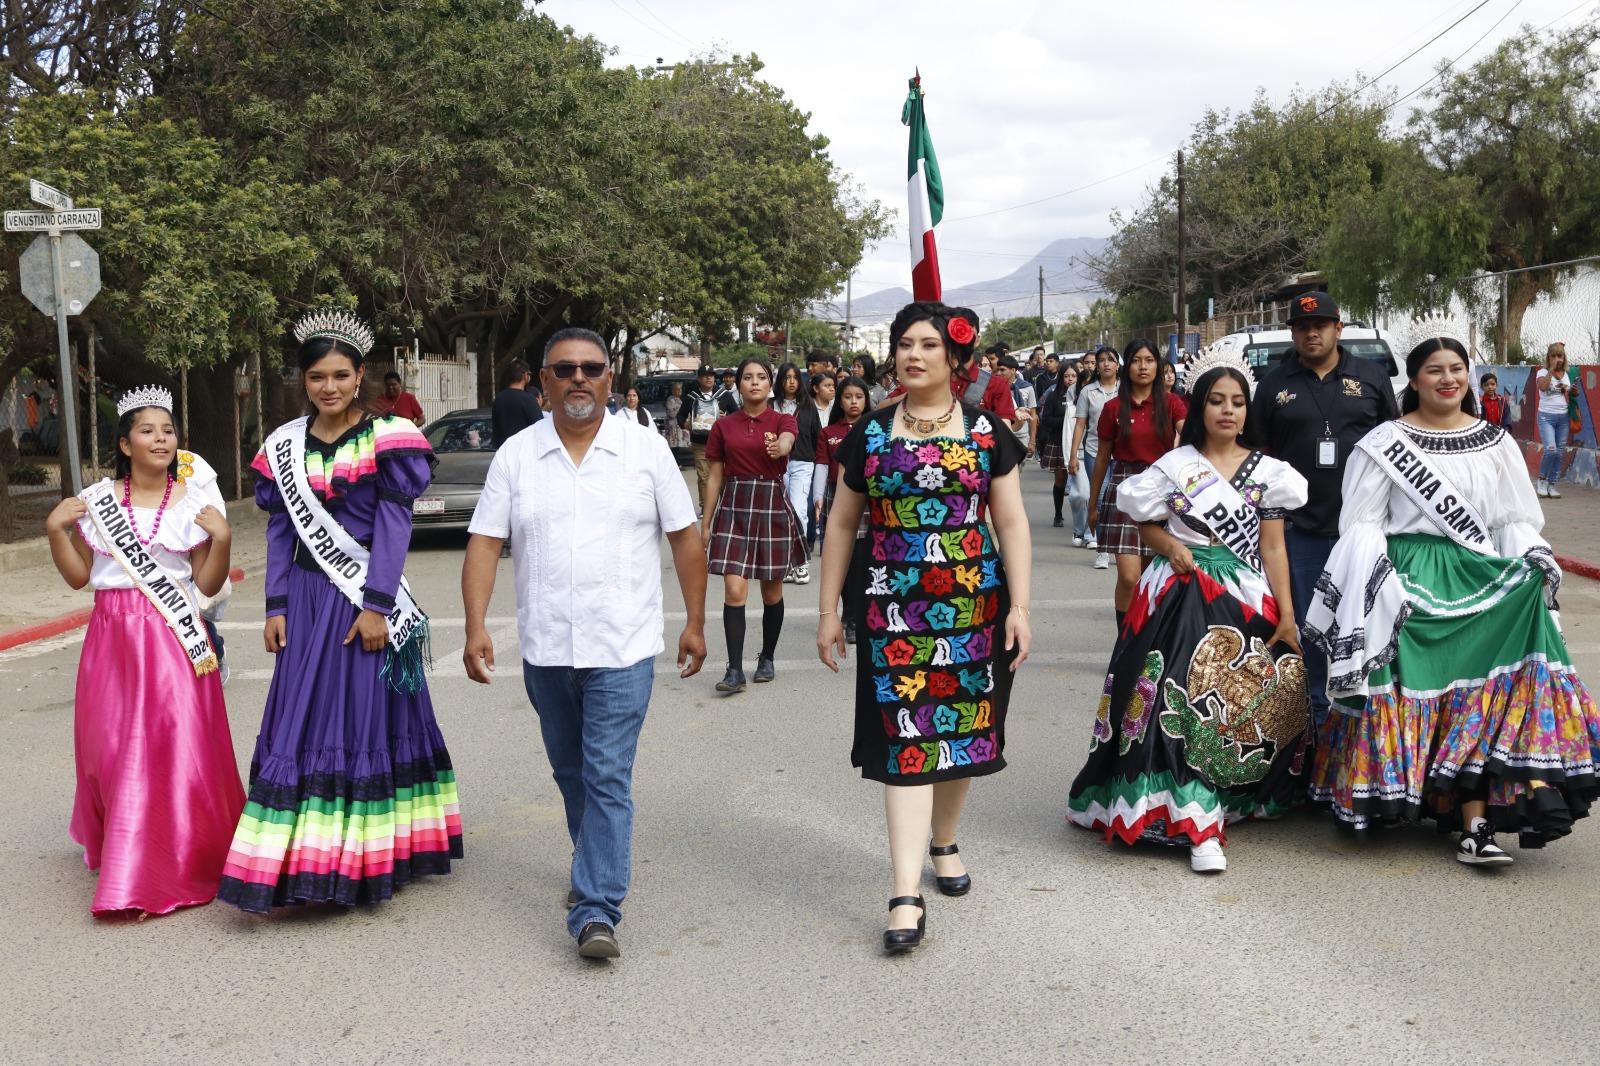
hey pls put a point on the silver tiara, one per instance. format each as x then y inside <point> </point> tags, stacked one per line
<point>1232,360</point>
<point>146,396</point>
<point>337,325</point>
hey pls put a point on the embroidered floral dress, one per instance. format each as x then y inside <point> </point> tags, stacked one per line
<point>932,675</point>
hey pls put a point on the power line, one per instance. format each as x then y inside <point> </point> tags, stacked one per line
<point>1440,75</point>
<point>643,7</point>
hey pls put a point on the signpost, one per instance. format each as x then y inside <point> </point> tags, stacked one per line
<point>64,298</point>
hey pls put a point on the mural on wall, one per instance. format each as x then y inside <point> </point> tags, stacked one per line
<point>1579,464</point>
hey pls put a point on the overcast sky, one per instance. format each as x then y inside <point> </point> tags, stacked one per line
<point>1030,100</point>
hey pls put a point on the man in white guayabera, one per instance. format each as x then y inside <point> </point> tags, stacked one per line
<point>584,500</point>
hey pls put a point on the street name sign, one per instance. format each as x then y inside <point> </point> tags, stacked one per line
<point>34,221</point>
<point>53,198</point>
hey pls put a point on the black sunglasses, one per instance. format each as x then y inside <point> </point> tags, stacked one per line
<point>590,370</point>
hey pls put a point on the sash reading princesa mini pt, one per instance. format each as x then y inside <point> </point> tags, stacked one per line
<point>1215,502</point>
<point>172,599</point>
<point>341,556</point>
<point>1407,465</point>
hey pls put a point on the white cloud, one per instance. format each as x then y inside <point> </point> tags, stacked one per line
<point>1028,99</point>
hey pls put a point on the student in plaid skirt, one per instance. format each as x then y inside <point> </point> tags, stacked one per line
<point>1137,426</point>
<point>751,529</point>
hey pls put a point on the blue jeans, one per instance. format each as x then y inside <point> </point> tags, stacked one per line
<point>1308,557</point>
<point>590,720</point>
<point>1078,497</point>
<point>1553,435</point>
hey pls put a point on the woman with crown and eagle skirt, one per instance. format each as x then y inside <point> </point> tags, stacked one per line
<point>352,792</point>
<point>1204,717</point>
<point>158,792</point>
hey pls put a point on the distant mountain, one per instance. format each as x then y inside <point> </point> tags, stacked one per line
<point>1068,286</point>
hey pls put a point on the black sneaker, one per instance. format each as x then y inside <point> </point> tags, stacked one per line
<point>1058,523</point>
<point>732,681</point>
<point>1479,849</point>
<point>598,940</point>
<point>765,671</point>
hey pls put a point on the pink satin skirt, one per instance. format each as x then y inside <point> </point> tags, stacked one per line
<point>158,789</point>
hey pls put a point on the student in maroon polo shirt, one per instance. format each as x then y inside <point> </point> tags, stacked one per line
<point>1137,426</point>
<point>752,531</point>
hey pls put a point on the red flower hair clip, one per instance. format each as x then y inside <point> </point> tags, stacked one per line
<point>960,330</point>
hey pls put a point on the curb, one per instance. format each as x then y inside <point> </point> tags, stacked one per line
<point>1581,567</point>
<point>66,623</point>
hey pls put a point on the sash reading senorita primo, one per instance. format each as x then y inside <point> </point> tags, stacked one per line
<point>341,556</point>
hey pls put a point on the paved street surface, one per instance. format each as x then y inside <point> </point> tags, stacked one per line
<point>761,878</point>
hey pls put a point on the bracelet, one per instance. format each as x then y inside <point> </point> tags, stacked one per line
<point>1024,610</point>
<point>824,614</point>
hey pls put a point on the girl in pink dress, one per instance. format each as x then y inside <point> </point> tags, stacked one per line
<point>158,791</point>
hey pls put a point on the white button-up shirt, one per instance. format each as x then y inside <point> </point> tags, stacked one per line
<point>586,540</point>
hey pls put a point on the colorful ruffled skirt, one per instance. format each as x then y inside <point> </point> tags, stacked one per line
<point>158,790</point>
<point>1476,704</point>
<point>1202,723</point>
<point>351,788</point>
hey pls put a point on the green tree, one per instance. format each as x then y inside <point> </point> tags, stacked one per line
<point>763,222</point>
<point>810,334</point>
<point>1501,173</point>
<point>1261,190</point>
<point>1015,333</point>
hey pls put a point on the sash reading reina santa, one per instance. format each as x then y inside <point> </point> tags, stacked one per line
<point>171,598</point>
<point>341,556</point>
<point>1446,506</point>
<point>1215,502</point>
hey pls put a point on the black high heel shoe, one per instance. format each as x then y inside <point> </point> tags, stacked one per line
<point>899,941</point>
<point>950,886</point>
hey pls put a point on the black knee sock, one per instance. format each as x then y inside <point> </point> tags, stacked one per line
<point>733,629</point>
<point>1058,493</point>
<point>771,626</point>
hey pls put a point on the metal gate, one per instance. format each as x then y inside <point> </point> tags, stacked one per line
<point>441,383</point>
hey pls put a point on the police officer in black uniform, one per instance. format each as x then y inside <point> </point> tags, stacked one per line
<point>1310,410</point>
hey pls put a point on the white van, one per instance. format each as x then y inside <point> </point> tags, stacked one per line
<point>1263,349</point>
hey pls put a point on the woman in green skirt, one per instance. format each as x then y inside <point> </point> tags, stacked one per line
<point>1438,611</point>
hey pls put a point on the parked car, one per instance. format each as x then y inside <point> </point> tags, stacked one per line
<point>463,442</point>
<point>653,392</point>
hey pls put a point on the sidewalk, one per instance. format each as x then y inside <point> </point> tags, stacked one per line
<point>38,604</point>
<point>1572,526</point>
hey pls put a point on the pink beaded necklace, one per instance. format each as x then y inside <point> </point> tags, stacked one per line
<point>127,505</point>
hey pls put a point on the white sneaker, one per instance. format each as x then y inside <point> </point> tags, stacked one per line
<point>1544,489</point>
<point>1207,858</point>
<point>1102,561</point>
<point>1077,542</point>
<point>1553,494</point>
<point>1090,544</point>
<point>802,575</point>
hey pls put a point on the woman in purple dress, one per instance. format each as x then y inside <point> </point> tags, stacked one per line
<point>351,788</point>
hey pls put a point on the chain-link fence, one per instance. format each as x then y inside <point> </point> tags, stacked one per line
<point>1513,317</point>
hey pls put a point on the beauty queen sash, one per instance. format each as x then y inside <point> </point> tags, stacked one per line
<point>1446,506</point>
<point>1214,501</point>
<point>341,556</point>
<point>174,600</point>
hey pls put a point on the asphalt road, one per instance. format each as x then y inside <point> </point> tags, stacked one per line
<point>761,876</point>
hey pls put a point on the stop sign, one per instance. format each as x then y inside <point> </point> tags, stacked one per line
<point>80,274</point>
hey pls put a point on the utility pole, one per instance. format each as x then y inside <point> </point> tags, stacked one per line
<point>1041,303</point>
<point>1183,299</point>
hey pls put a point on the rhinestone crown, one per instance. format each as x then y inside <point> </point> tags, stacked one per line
<point>144,396</point>
<point>336,324</point>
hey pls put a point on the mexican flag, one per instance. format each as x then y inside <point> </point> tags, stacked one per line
<point>924,197</point>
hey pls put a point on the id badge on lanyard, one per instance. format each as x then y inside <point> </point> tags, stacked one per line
<point>1327,449</point>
